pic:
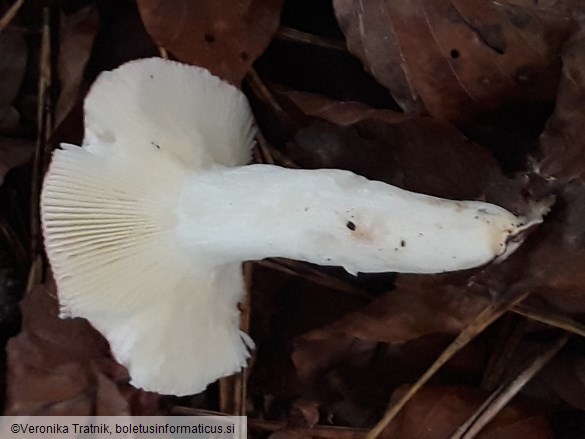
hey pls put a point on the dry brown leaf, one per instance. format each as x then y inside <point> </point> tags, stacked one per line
<point>77,35</point>
<point>435,412</point>
<point>563,140</point>
<point>338,112</point>
<point>223,36</point>
<point>564,8</point>
<point>280,312</point>
<point>554,266</point>
<point>12,68</point>
<point>305,413</point>
<point>291,434</point>
<point>453,59</point>
<point>352,379</point>
<point>410,311</point>
<point>13,153</point>
<point>63,367</point>
<point>109,400</point>
<point>403,153</point>
<point>564,377</point>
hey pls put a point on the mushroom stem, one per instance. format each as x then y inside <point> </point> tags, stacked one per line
<point>335,217</point>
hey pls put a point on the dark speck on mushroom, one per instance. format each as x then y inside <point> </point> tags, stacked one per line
<point>351,226</point>
<point>402,243</point>
<point>154,144</point>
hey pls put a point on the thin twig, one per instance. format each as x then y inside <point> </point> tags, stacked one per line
<point>164,54</point>
<point>272,155</point>
<point>43,131</point>
<point>35,274</point>
<point>512,331</point>
<point>180,410</point>
<point>297,36</point>
<point>501,396</point>
<point>477,326</point>
<point>261,90</point>
<point>264,150</point>
<point>551,319</point>
<point>267,152</point>
<point>10,14</point>
<point>13,242</point>
<point>313,275</point>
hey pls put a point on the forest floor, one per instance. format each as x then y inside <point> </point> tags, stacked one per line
<point>460,99</point>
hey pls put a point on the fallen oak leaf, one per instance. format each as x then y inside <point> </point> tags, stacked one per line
<point>404,151</point>
<point>563,140</point>
<point>435,412</point>
<point>410,311</point>
<point>58,367</point>
<point>338,112</point>
<point>223,36</point>
<point>12,69</point>
<point>559,279</point>
<point>78,32</point>
<point>452,59</point>
<point>574,9</point>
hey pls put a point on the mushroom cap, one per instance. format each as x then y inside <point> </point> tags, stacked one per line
<point>109,216</point>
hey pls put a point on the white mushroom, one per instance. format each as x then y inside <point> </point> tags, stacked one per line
<point>147,224</point>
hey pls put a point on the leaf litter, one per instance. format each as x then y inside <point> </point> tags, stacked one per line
<point>336,353</point>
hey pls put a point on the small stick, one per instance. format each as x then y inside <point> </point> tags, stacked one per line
<point>297,36</point>
<point>502,395</point>
<point>261,90</point>
<point>482,321</point>
<point>312,275</point>
<point>550,319</point>
<point>163,52</point>
<point>10,14</point>
<point>43,132</point>
<point>513,328</point>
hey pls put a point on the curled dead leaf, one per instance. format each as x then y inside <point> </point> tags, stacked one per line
<point>63,367</point>
<point>436,412</point>
<point>223,36</point>
<point>77,35</point>
<point>454,59</point>
<point>410,311</point>
<point>555,264</point>
<point>563,140</point>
